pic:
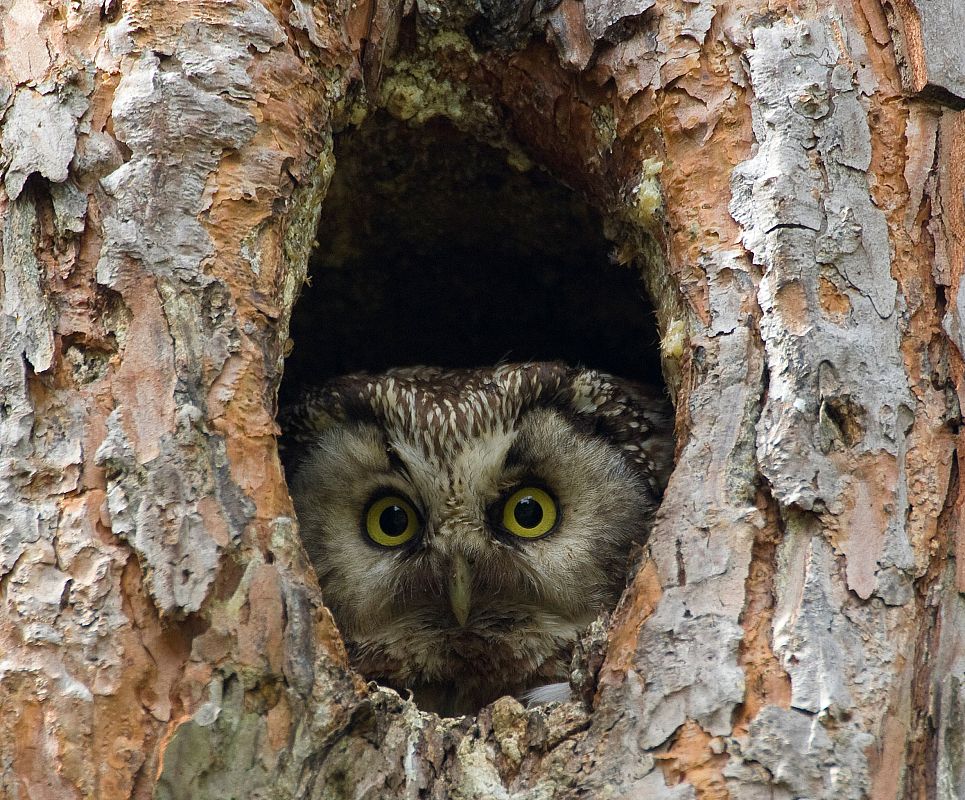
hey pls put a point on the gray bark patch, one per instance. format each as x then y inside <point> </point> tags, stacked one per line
<point>39,135</point>
<point>25,300</point>
<point>159,507</point>
<point>809,219</point>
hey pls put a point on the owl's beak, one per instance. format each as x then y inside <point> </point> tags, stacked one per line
<point>460,583</point>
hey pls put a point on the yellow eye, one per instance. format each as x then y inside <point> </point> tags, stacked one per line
<point>530,512</point>
<point>391,521</point>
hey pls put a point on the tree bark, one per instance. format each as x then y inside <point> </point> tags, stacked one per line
<point>790,179</point>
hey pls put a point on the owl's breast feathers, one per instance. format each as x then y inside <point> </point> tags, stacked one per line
<point>508,653</point>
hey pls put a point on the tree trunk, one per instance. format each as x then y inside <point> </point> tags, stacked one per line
<point>790,181</point>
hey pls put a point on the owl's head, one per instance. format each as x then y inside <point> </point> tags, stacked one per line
<point>467,525</point>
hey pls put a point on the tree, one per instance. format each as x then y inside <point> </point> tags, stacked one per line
<point>791,176</point>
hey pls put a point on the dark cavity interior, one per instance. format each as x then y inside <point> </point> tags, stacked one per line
<point>433,250</point>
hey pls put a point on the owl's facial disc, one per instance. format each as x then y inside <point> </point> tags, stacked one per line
<point>466,527</point>
<point>526,513</point>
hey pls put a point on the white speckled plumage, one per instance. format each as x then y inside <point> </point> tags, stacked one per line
<point>455,443</point>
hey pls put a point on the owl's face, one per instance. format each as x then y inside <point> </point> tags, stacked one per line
<point>465,526</point>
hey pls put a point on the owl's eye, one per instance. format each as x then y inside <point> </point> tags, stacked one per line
<point>530,512</point>
<point>391,521</point>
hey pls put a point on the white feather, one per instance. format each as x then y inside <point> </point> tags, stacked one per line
<point>550,693</point>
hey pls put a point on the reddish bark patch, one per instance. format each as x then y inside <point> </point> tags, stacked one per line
<point>766,682</point>
<point>638,604</point>
<point>835,303</point>
<point>696,757</point>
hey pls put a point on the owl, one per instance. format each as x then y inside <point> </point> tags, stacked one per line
<point>466,526</point>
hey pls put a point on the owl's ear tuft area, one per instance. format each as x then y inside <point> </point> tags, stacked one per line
<point>628,413</point>
<point>313,413</point>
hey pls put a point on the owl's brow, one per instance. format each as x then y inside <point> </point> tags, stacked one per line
<point>396,464</point>
<point>517,456</point>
